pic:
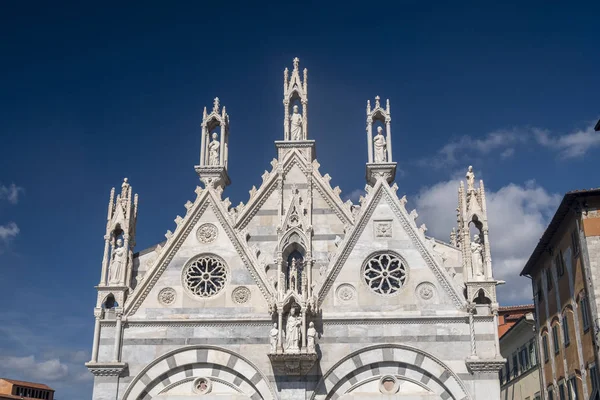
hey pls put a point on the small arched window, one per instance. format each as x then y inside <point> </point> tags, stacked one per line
<point>110,302</point>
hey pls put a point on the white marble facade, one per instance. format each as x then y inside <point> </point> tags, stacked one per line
<point>295,294</point>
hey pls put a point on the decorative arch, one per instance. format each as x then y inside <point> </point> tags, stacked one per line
<point>201,360</point>
<point>294,239</point>
<point>403,361</point>
<point>109,302</point>
<point>482,296</point>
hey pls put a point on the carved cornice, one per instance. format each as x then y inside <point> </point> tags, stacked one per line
<point>485,364</point>
<point>106,369</point>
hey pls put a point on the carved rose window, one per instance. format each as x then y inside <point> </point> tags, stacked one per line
<point>385,273</point>
<point>205,276</point>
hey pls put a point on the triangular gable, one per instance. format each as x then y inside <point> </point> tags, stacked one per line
<point>375,194</point>
<point>206,198</point>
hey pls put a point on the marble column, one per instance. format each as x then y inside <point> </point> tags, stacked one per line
<point>286,121</point>
<point>222,148</point>
<point>118,333</point>
<point>105,260</point>
<point>304,121</point>
<point>471,310</point>
<point>304,328</point>
<point>280,333</point>
<point>389,141</point>
<point>203,146</point>
<point>370,140</point>
<point>95,345</point>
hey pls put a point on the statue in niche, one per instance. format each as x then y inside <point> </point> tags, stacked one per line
<point>213,150</point>
<point>379,146</point>
<point>477,256</point>
<point>117,262</point>
<point>311,333</point>
<point>296,125</point>
<point>273,337</point>
<point>292,332</point>
<point>470,180</point>
<point>293,275</point>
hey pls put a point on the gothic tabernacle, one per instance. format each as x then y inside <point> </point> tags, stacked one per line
<point>297,294</point>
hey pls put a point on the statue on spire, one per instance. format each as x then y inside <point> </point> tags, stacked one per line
<point>296,124</point>
<point>294,97</point>
<point>379,146</point>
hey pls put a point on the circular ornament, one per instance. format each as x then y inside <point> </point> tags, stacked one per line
<point>205,276</point>
<point>426,291</point>
<point>202,385</point>
<point>207,233</point>
<point>389,384</point>
<point>385,273</point>
<point>167,296</point>
<point>240,294</point>
<point>346,292</point>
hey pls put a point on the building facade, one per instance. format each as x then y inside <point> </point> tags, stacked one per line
<point>13,389</point>
<point>520,377</point>
<point>565,274</point>
<point>296,294</point>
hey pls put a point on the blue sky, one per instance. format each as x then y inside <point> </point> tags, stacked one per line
<point>91,95</point>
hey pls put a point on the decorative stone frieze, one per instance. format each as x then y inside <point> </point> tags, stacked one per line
<point>106,368</point>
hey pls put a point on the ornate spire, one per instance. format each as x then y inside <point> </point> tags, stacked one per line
<point>295,101</point>
<point>380,162</point>
<point>296,62</point>
<point>216,105</point>
<point>214,150</point>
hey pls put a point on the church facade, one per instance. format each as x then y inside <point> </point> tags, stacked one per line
<point>296,294</point>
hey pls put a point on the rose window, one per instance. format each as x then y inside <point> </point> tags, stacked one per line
<point>385,273</point>
<point>205,276</point>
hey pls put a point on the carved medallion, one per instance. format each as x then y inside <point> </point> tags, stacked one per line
<point>202,385</point>
<point>240,294</point>
<point>383,228</point>
<point>207,233</point>
<point>167,296</point>
<point>426,291</point>
<point>346,292</point>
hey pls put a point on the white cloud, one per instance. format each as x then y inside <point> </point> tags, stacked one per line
<point>517,216</point>
<point>10,193</point>
<point>455,150</point>
<point>8,231</point>
<point>570,145</point>
<point>354,195</point>
<point>49,370</point>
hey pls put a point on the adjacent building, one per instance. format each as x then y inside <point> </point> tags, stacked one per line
<point>520,377</point>
<point>296,293</point>
<point>13,389</point>
<point>565,273</point>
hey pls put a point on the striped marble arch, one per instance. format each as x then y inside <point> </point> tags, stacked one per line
<point>407,363</point>
<point>183,365</point>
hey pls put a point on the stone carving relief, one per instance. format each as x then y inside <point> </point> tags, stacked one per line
<point>213,150</point>
<point>202,385</point>
<point>167,296</point>
<point>292,332</point>
<point>241,294</point>
<point>383,228</point>
<point>346,292</point>
<point>311,334</point>
<point>207,233</point>
<point>426,291</point>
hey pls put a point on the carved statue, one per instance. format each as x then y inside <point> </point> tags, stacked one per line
<point>292,334</point>
<point>477,256</point>
<point>273,338</point>
<point>213,150</point>
<point>293,275</point>
<point>117,262</point>
<point>470,180</point>
<point>296,125</point>
<point>311,333</point>
<point>379,146</point>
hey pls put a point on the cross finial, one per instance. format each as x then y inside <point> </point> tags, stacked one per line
<point>296,61</point>
<point>377,101</point>
<point>216,105</point>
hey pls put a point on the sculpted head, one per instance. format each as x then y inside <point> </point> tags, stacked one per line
<point>295,109</point>
<point>311,325</point>
<point>476,238</point>
<point>379,130</point>
<point>119,242</point>
<point>470,168</point>
<point>214,135</point>
<point>293,312</point>
<point>275,325</point>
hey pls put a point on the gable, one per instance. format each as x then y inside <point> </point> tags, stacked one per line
<point>185,244</point>
<point>383,226</point>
